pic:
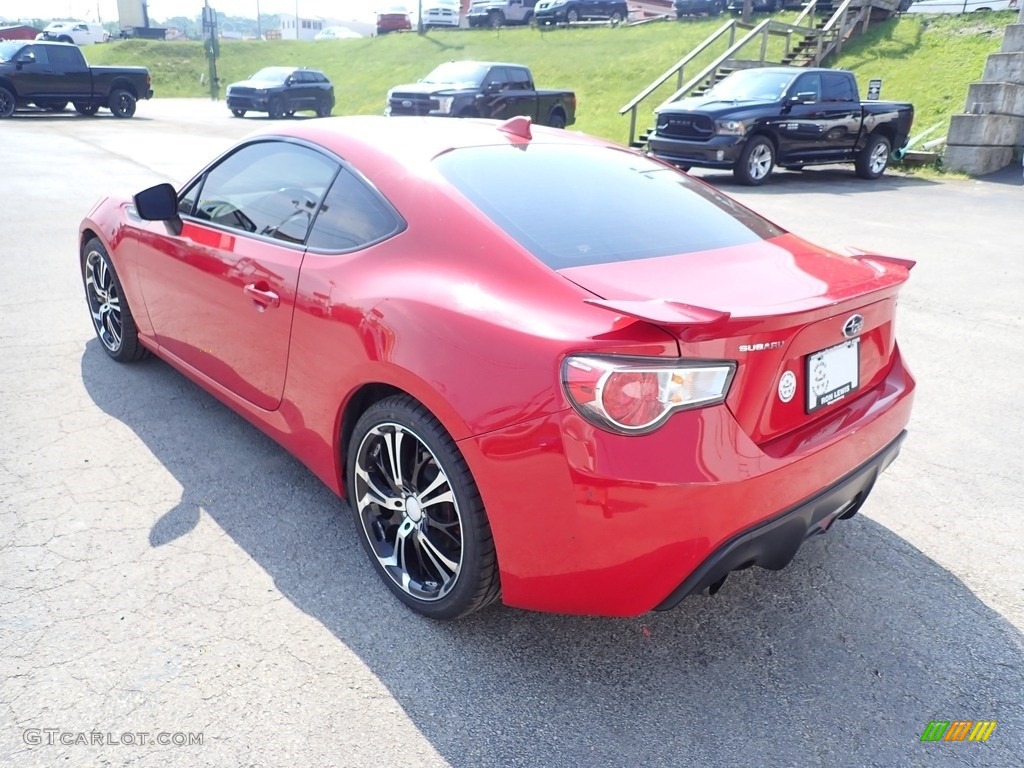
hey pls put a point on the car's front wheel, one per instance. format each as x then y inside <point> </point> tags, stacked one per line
<point>111,317</point>
<point>7,103</point>
<point>572,16</point>
<point>238,112</point>
<point>418,511</point>
<point>122,103</point>
<point>873,159</point>
<point>756,162</point>
<point>275,109</point>
<point>323,109</point>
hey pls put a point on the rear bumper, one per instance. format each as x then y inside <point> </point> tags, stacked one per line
<point>772,545</point>
<point>716,152</point>
<point>588,522</point>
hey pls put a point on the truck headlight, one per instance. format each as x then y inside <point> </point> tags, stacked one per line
<point>730,127</point>
<point>444,104</point>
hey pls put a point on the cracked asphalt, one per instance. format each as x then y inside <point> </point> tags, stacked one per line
<point>166,569</point>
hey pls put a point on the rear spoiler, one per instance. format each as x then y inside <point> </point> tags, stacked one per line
<point>690,322</point>
<point>907,264</point>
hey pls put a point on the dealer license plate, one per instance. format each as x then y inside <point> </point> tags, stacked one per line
<point>832,374</point>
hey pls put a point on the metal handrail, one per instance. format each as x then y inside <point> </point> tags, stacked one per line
<point>677,66</point>
<point>759,29</point>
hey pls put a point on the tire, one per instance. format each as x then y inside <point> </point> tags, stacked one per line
<point>572,16</point>
<point>436,556</point>
<point>289,113</point>
<point>112,318</point>
<point>323,109</point>
<point>7,103</point>
<point>122,104</point>
<point>238,112</point>
<point>873,159</point>
<point>756,162</point>
<point>495,19</point>
<point>275,109</point>
<point>556,119</point>
<point>64,39</point>
<point>86,108</point>
<point>616,18</point>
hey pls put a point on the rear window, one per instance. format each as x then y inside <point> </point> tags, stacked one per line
<point>571,206</point>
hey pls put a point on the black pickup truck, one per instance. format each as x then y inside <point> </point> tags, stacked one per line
<point>756,119</point>
<point>482,89</point>
<point>49,75</point>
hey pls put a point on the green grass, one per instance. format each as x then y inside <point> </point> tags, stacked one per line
<point>929,63</point>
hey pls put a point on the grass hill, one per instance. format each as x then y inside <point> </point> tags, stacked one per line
<point>929,62</point>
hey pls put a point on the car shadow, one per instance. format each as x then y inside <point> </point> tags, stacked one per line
<point>839,180</point>
<point>70,114</point>
<point>841,659</point>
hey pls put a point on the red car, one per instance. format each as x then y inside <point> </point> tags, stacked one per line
<point>393,20</point>
<point>539,366</point>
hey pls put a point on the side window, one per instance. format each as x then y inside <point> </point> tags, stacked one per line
<point>837,88</point>
<point>352,216</point>
<point>64,59</point>
<point>497,75</point>
<point>520,79</point>
<point>38,54</point>
<point>270,188</point>
<point>808,86</point>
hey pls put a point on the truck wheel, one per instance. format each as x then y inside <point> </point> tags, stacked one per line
<point>616,18</point>
<point>238,112</point>
<point>495,19</point>
<point>275,109</point>
<point>122,103</point>
<point>7,103</point>
<point>556,119</point>
<point>64,39</point>
<point>874,158</point>
<point>323,109</point>
<point>756,162</point>
<point>572,16</point>
<point>86,108</point>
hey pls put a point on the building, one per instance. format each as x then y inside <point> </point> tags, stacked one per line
<point>18,32</point>
<point>305,29</point>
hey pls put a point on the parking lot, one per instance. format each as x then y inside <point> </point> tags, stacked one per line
<point>165,569</point>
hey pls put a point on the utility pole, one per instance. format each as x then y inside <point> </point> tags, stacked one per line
<point>211,47</point>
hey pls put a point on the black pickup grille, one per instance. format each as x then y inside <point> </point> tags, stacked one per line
<point>411,104</point>
<point>686,126</point>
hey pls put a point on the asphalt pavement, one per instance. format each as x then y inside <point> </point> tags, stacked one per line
<point>175,590</point>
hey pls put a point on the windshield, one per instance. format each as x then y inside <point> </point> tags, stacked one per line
<point>9,50</point>
<point>571,206</point>
<point>272,75</point>
<point>753,84</point>
<point>458,72</point>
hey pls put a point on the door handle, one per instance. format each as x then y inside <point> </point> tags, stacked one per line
<point>263,298</point>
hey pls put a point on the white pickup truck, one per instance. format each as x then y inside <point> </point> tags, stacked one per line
<point>77,32</point>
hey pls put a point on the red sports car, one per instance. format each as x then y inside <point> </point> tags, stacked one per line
<point>540,366</point>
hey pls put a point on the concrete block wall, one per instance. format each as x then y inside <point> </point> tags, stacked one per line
<point>985,139</point>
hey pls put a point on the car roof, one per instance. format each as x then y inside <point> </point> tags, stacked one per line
<point>414,140</point>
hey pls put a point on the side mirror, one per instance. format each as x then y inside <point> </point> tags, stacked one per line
<point>159,203</point>
<point>493,88</point>
<point>289,81</point>
<point>26,58</point>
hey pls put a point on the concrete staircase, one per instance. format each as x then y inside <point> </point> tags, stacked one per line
<point>987,137</point>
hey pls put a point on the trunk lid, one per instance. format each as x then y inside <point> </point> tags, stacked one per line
<point>772,306</point>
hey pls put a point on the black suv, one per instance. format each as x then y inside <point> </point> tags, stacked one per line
<point>570,11</point>
<point>281,92</point>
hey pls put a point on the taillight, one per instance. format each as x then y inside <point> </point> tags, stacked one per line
<point>636,395</point>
